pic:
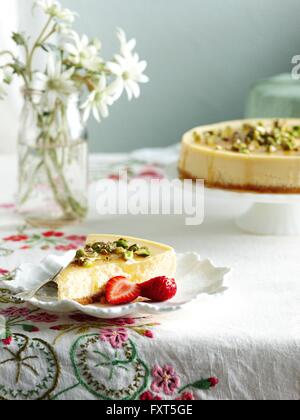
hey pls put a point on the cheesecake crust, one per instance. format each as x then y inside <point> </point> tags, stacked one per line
<point>96,298</point>
<point>260,189</point>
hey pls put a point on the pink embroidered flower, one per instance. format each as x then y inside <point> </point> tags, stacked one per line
<point>116,338</point>
<point>53,234</point>
<point>213,382</point>
<point>149,334</point>
<point>122,321</point>
<point>114,177</point>
<point>186,396</point>
<point>150,173</point>
<point>25,247</point>
<point>148,396</point>
<point>76,238</point>
<point>16,238</point>
<point>3,272</point>
<point>165,379</point>
<point>7,341</point>
<point>14,311</point>
<point>42,317</point>
<point>57,328</point>
<point>7,206</point>
<point>65,248</point>
<point>82,318</point>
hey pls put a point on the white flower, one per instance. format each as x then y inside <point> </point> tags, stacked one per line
<point>98,101</point>
<point>56,83</point>
<point>83,52</point>
<point>128,68</point>
<point>127,47</point>
<point>63,29</point>
<point>54,9</point>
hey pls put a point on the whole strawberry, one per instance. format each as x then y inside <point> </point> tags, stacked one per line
<point>159,289</point>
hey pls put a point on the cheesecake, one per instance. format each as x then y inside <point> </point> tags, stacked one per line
<point>247,155</point>
<point>107,256</point>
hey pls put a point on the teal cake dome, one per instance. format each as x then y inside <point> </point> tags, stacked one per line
<point>277,97</point>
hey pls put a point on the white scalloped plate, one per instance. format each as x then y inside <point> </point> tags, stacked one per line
<point>194,277</point>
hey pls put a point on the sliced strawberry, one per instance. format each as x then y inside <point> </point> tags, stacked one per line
<point>159,289</point>
<point>120,290</point>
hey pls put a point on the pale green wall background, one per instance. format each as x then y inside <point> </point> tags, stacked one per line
<point>203,57</point>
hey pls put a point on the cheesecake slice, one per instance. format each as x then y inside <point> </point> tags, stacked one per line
<point>108,256</point>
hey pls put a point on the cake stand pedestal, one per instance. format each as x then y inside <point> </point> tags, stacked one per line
<point>269,214</point>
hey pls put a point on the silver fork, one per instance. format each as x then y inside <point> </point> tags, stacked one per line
<point>29,295</point>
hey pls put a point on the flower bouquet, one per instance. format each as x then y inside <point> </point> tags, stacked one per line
<point>58,101</point>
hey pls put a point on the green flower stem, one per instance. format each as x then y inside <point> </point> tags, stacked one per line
<point>65,200</point>
<point>73,203</point>
<point>31,184</point>
<point>65,391</point>
<point>6,52</point>
<point>35,46</point>
<point>50,162</point>
<point>62,203</point>
<point>64,332</point>
<point>52,32</point>
<point>185,387</point>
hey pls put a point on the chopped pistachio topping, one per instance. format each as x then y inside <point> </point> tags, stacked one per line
<point>99,250</point>
<point>143,252</point>
<point>197,137</point>
<point>122,243</point>
<point>250,138</point>
<point>128,255</point>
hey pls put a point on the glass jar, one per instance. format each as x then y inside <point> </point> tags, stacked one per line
<point>53,162</point>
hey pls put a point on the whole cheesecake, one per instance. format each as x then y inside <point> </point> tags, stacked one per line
<point>246,155</point>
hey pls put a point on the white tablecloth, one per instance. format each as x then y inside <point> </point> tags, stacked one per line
<point>249,338</point>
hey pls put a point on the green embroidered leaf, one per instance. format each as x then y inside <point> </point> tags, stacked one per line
<point>203,384</point>
<point>140,331</point>
<point>83,330</point>
<point>29,328</point>
<point>152,324</point>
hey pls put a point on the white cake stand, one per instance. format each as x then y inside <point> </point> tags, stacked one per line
<point>269,214</point>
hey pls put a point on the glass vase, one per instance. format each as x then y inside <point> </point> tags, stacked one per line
<point>53,162</point>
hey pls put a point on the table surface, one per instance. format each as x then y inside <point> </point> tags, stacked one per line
<point>248,338</point>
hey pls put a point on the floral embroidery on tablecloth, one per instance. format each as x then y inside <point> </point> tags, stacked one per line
<point>7,297</point>
<point>107,364</point>
<point>46,240</point>
<point>30,357</point>
<point>7,206</point>
<point>133,168</point>
<point>105,355</point>
<point>23,318</point>
<point>6,275</point>
<point>114,331</point>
